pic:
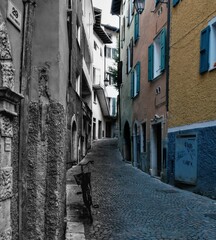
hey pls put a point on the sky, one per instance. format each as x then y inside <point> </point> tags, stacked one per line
<point>107,17</point>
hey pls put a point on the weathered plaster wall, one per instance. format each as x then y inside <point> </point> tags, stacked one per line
<point>191,95</point>
<point>43,122</point>
<point>206,167</point>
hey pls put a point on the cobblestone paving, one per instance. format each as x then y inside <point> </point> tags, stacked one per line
<point>135,206</point>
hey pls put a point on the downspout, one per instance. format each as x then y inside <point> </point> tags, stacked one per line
<point>167,82</point>
<point>168,56</point>
<point>118,83</point>
<point>24,83</point>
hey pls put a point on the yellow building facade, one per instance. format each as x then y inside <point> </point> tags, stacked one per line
<point>192,101</point>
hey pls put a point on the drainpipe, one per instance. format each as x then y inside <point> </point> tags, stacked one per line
<point>25,69</point>
<point>167,79</point>
<point>121,76</point>
<point>168,56</point>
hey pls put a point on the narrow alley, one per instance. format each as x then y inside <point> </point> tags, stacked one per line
<point>132,205</point>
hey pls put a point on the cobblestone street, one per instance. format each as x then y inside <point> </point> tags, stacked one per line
<point>134,206</point>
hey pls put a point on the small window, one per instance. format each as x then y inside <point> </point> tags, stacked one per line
<point>78,85</point>
<point>136,27</point>
<point>156,56</point>
<point>108,52</point>
<point>123,29</point>
<point>130,11</point>
<point>95,45</point>
<point>130,56</point>
<point>114,53</point>
<point>95,97</point>
<point>69,4</point>
<point>208,47</point>
<point>78,33</point>
<point>135,81</point>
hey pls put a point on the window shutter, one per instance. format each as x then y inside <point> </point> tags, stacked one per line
<point>138,76</point>
<point>127,60</point>
<point>175,2</point>
<point>156,2</point>
<point>136,27</point>
<point>131,53</point>
<point>132,84</point>
<point>163,49</point>
<point>150,61</point>
<point>113,106</point>
<point>128,22</point>
<point>204,50</point>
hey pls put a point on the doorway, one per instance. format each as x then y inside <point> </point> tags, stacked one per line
<point>136,146</point>
<point>74,144</point>
<point>156,149</point>
<point>127,142</point>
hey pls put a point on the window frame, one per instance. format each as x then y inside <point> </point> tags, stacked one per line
<point>157,55</point>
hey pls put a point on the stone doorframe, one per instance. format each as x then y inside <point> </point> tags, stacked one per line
<point>8,102</point>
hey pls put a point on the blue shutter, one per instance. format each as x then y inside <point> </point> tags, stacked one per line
<point>175,2</point>
<point>163,49</point>
<point>138,77</point>
<point>136,27</point>
<point>204,50</point>
<point>132,84</point>
<point>150,61</point>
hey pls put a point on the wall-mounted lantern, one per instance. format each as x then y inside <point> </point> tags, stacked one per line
<point>106,82</point>
<point>139,5</point>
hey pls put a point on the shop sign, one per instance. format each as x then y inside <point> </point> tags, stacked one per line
<point>14,15</point>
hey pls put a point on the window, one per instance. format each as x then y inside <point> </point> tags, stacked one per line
<point>208,47</point>
<point>175,2</point>
<point>135,81</point>
<point>143,138</point>
<point>95,45</point>
<point>130,56</point>
<point>136,27</point>
<point>78,33</point>
<point>96,75</point>
<point>130,11</point>
<point>114,53</point>
<point>69,4</point>
<point>95,97</point>
<point>78,84</point>
<point>113,107</point>
<point>123,29</point>
<point>110,78</point>
<point>108,52</point>
<point>156,56</point>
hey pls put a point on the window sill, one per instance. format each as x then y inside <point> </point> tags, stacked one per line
<point>212,69</point>
<point>158,77</point>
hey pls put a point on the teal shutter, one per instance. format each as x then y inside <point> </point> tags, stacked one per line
<point>127,60</point>
<point>136,27</point>
<point>132,84</point>
<point>175,2</point>
<point>113,106</point>
<point>163,49</point>
<point>204,49</point>
<point>156,2</point>
<point>138,77</point>
<point>150,61</point>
